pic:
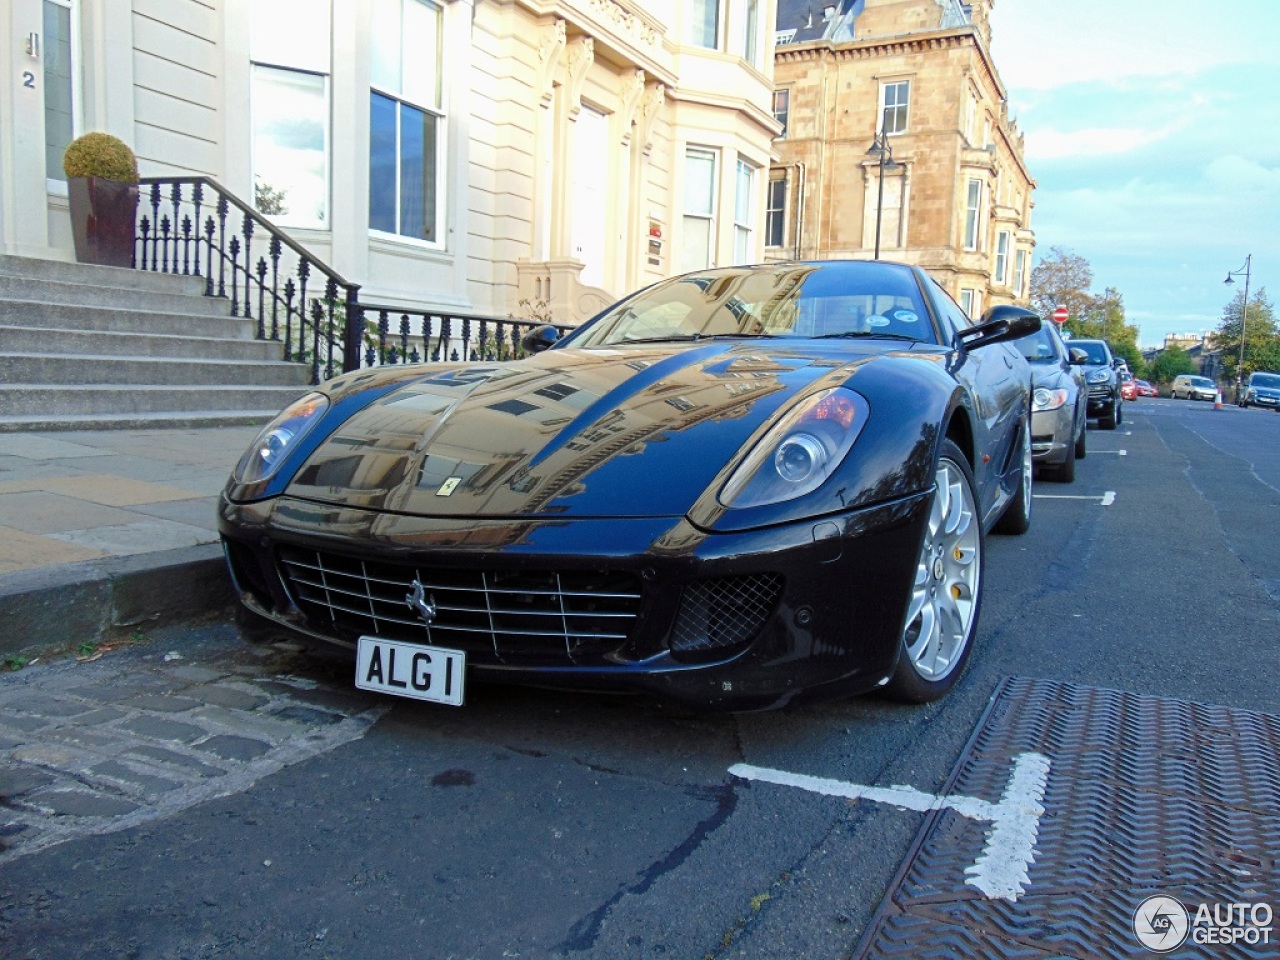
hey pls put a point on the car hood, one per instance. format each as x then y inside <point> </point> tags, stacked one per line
<point>634,431</point>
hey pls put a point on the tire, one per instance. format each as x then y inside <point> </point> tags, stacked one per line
<point>1081,442</point>
<point>1016,518</point>
<point>946,594</point>
<point>1065,472</point>
<point>1110,421</point>
<point>1119,412</point>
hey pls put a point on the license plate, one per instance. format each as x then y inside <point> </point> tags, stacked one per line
<point>411,670</point>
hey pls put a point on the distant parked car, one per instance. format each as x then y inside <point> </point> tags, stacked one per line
<point>1094,358</point>
<point>1128,386</point>
<point>1144,389</point>
<point>1190,387</point>
<point>1263,390</point>
<point>1059,404</point>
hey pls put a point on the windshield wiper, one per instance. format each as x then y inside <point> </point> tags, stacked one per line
<point>857,334</point>
<point>688,337</point>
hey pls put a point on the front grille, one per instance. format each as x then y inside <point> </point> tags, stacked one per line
<point>717,616</point>
<point>538,617</point>
<point>1100,392</point>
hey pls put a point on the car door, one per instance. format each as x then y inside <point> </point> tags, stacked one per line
<point>990,377</point>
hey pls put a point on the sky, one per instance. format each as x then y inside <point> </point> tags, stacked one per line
<point>1153,133</point>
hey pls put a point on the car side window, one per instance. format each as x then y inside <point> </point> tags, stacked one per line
<point>950,317</point>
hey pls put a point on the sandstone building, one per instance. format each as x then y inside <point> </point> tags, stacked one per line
<point>956,197</point>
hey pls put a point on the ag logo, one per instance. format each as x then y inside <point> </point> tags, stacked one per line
<point>1161,924</point>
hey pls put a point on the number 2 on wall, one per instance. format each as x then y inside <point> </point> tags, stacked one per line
<point>28,79</point>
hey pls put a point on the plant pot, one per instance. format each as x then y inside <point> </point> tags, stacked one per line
<point>103,213</point>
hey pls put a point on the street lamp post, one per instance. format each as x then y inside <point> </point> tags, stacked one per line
<point>880,149</point>
<point>1244,316</point>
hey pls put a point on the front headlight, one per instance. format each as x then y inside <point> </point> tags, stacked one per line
<point>1046,399</point>
<point>800,451</point>
<point>1099,376</point>
<point>265,454</point>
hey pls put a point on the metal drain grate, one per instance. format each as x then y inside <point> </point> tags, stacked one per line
<point>1145,796</point>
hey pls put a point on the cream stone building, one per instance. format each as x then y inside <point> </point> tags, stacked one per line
<point>465,154</point>
<point>916,76</point>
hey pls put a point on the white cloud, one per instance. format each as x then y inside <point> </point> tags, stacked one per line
<point>1043,44</point>
<point>1051,144</point>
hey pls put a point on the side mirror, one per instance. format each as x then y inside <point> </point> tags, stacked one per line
<point>540,338</point>
<point>1000,323</point>
<point>1077,356</point>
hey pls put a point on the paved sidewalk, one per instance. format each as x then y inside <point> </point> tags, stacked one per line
<point>97,528</point>
<point>75,496</point>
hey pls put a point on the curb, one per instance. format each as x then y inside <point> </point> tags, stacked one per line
<point>56,607</point>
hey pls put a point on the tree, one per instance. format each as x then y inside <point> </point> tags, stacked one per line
<point>1062,279</point>
<point>1261,336</point>
<point>1171,363</point>
<point>268,199</point>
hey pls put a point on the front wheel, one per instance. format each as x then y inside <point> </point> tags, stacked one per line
<point>1081,442</point>
<point>942,615</point>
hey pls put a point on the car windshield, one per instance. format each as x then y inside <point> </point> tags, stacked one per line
<point>847,299</point>
<point>1093,351</point>
<point>1039,347</point>
<point>1201,382</point>
<point>1268,380</point>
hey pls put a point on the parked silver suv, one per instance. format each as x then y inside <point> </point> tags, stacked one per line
<point>1190,387</point>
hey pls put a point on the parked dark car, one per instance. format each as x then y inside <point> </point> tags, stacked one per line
<point>737,488</point>
<point>1059,411</point>
<point>1263,390</point>
<point>1094,357</point>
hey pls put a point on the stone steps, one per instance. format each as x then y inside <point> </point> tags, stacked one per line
<point>90,347</point>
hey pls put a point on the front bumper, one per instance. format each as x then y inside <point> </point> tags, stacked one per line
<point>1102,399</point>
<point>1264,400</point>
<point>1052,435</point>
<point>831,625</point>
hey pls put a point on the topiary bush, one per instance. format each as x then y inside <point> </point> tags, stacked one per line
<point>100,155</point>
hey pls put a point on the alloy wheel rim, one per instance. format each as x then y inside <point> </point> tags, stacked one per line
<point>944,595</point>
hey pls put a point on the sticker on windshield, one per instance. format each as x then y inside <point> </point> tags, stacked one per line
<point>877,321</point>
<point>905,316</point>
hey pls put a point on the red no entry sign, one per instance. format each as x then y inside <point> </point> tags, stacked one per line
<point>1060,316</point>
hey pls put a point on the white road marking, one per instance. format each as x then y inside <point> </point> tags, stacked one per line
<point>1106,500</point>
<point>1118,453</point>
<point>1000,871</point>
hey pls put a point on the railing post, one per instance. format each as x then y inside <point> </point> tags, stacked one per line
<point>354,333</point>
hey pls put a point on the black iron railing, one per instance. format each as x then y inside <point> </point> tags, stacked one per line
<point>192,226</point>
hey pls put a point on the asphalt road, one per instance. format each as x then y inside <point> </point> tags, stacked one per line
<point>533,824</point>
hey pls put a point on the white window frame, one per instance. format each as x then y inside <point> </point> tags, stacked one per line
<point>313,62</point>
<point>783,116</point>
<point>437,110</point>
<point>694,26</point>
<point>707,216</point>
<point>901,110</point>
<point>973,213</point>
<point>58,185</point>
<point>776,214</point>
<point>744,184</point>
<point>1019,271</point>
<point>1002,257</point>
<point>744,22</point>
